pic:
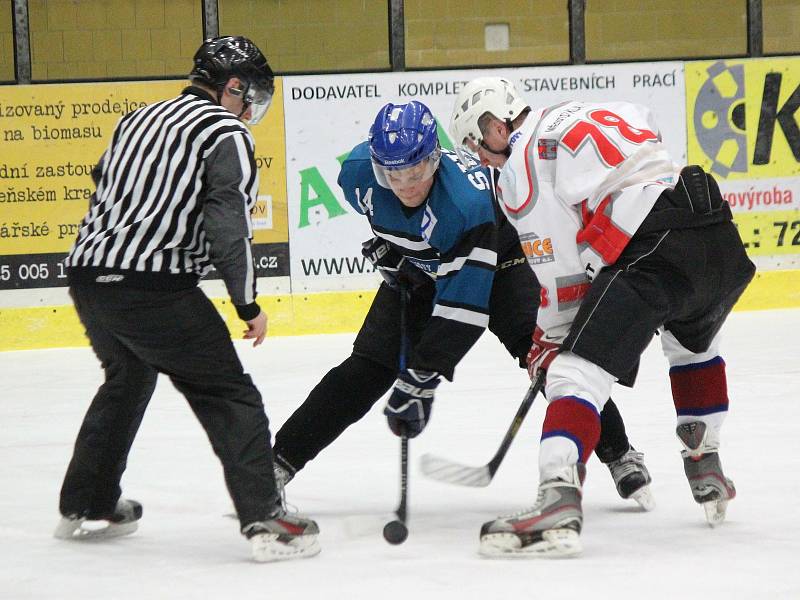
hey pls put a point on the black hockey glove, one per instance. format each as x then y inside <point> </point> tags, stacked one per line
<point>392,265</point>
<point>409,406</point>
<point>698,190</point>
<point>385,259</point>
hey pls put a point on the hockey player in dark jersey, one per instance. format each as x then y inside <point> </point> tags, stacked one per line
<point>438,230</point>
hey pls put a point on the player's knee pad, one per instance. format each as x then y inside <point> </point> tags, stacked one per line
<point>677,354</point>
<point>571,375</point>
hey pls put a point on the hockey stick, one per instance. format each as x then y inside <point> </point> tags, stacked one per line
<point>396,532</point>
<point>449,471</point>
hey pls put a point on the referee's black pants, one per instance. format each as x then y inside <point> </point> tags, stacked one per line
<point>137,334</point>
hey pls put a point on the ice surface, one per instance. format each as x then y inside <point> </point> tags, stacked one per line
<point>185,548</point>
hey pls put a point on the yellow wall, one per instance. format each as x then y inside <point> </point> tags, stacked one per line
<point>58,326</point>
<point>6,42</point>
<point>83,39</point>
<point>449,33</point>
<point>781,26</point>
<point>653,29</point>
<point>312,35</point>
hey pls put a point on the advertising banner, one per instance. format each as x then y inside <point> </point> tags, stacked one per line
<point>53,135</point>
<point>327,115</point>
<point>742,118</point>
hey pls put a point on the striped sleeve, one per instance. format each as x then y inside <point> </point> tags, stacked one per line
<point>461,307</point>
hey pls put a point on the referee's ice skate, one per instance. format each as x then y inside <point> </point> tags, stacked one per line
<point>282,537</point>
<point>122,521</point>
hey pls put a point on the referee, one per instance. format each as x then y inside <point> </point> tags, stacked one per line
<point>174,193</point>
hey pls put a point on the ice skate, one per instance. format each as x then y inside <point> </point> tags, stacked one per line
<point>123,521</point>
<point>701,463</point>
<point>283,537</point>
<point>283,476</point>
<point>551,528</point>
<point>632,478</point>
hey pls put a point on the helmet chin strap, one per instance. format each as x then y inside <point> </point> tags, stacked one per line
<point>505,151</point>
<point>245,104</point>
<point>220,91</point>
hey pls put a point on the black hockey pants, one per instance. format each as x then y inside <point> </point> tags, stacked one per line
<point>137,334</point>
<point>348,391</point>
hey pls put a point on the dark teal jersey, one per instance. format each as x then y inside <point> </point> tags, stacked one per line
<point>452,237</point>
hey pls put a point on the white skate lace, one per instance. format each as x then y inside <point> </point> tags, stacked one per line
<point>628,463</point>
<point>282,477</point>
<point>544,486</point>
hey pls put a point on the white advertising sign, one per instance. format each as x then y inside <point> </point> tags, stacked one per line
<point>751,195</point>
<point>327,115</point>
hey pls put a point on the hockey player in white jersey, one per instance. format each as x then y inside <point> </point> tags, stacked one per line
<point>623,243</point>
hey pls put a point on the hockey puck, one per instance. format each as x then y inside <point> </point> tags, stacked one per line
<point>395,532</point>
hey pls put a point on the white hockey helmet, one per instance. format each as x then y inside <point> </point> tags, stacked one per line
<point>495,95</point>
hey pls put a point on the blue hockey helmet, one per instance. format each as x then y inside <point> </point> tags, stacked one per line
<point>404,136</point>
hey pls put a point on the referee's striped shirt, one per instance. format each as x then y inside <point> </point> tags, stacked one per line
<point>174,193</point>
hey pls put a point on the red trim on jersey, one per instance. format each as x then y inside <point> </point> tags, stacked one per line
<point>601,234</point>
<point>572,293</point>
<point>530,181</point>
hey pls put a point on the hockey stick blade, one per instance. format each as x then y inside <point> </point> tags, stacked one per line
<point>448,471</point>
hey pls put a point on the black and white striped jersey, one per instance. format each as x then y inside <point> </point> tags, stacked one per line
<point>174,193</point>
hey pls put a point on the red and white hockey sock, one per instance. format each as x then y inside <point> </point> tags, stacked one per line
<point>700,393</point>
<point>700,389</point>
<point>570,432</point>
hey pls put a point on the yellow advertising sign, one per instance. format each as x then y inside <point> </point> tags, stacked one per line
<point>769,233</point>
<point>51,136</point>
<point>742,117</point>
<point>270,219</point>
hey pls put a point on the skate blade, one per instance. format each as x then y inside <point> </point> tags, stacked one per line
<point>268,548</point>
<point>70,529</point>
<point>715,511</point>
<point>644,497</point>
<point>556,543</point>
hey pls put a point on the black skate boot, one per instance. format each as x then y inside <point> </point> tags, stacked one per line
<point>632,478</point>
<point>123,521</point>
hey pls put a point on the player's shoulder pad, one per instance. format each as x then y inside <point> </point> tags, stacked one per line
<point>357,157</point>
<point>552,121</point>
<point>463,189</point>
<point>356,175</point>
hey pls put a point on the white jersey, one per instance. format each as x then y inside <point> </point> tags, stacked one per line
<point>580,180</point>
